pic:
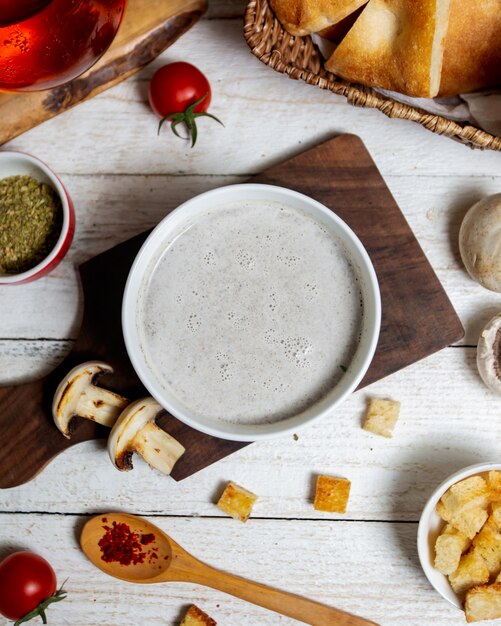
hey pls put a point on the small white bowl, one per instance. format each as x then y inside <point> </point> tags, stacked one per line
<point>21,164</point>
<point>430,525</point>
<point>184,215</point>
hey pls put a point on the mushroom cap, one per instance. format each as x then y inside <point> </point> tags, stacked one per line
<point>489,354</point>
<point>480,242</point>
<point>69,390</point>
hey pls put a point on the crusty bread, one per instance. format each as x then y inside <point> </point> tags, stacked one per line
<point>471,571</point>
<point>332,494</point>
<point>464,505</point>
<point>449,547</point>
<point>396,45</point>
<point>494,477</point>
<point>236,501</point>
<point>302,17</point>
<point>483,602</point>
<point>472,47</point>
<point>487,544</point>
<point>382,416</point>
<point>196,617</point>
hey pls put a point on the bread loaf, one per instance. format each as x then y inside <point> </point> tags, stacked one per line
<point>472,50</point>
<point>302,17</point>
<point>395,45</point>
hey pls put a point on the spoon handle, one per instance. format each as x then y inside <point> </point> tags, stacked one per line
<point>292,605</point>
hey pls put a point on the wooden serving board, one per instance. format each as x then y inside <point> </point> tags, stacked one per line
<point>147,29</point>
<point>418,318</point>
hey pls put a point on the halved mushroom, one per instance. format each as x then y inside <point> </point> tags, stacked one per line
<point>78,395</point>
<point>136,431</point>
<point>489,354</point>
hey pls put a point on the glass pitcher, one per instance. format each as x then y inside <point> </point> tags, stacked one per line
<point>44,43</point>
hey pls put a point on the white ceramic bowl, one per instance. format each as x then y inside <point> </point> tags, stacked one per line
<point>358,256</point>
<point>20,164</point>
<point>430,525</point>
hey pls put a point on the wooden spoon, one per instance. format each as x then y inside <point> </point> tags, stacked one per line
<point>173,563</point>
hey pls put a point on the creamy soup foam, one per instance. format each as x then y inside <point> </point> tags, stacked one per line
<point>251,313</point>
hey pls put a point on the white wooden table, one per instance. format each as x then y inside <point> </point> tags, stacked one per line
<point>123,179</point>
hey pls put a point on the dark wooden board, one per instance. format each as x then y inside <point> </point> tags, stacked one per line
<point>418,318</point>
<point>148,28</point>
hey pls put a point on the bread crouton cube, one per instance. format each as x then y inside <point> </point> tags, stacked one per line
<point>464,505</point>
<point>471,571</point>
<point>488,545</point>
<point>483,602</point>
<point>449,547</point>
<point>496,514</point>
<point>469,522</point>
<point>498,578</point>
<point>494,485</point>
<point>469,492</point>
<point>382,415</point>
<point>332,494</point>
<point>196,617</point>
<point>237,502</point>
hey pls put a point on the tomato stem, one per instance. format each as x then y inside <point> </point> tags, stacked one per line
<point>187,117</point>
<point>39,611</point>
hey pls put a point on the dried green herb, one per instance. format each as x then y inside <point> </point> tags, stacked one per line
<point>31,217</point>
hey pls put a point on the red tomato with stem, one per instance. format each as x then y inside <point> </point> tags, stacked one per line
<point>180,93</point>
<point>27,587</point>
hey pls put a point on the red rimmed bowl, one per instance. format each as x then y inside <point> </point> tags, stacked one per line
<point>20,164</point>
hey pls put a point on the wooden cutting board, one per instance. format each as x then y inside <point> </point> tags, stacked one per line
<point>418,318</point>
<point>148,28</point>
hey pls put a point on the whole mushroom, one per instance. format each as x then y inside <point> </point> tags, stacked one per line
<point>489,354</point>
<point>136,430</point>
<point>78,395</point>
<point>480,242</point>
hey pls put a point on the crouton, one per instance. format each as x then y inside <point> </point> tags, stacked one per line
<point>471,492</point>
<point>494,486</point>
<point>449,547</point>
<point>237,502</point>
<point>496,513</point>
<point>468,522</point>
<point>488,545</point>
<point>331,494</point>
<point>382,415</point>
<point>196,617</point>
<point>471,571</point>
<point>483,602</point>
<point>464,505</point>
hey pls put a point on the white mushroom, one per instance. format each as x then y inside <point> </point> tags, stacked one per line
<point>489,354</point>
<point>136,431</point>
<point>77,395</point>
<point>480,242</point>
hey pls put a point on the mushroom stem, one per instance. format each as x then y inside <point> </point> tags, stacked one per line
<point>158,448</point>
<point>100,405</point>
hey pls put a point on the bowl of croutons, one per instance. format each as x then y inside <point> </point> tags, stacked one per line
<point>459,540</point>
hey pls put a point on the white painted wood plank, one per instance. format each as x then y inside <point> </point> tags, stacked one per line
<point>110,209</point>
<point>267,117</point>
<point>366,568</point>
<point>448,420</point>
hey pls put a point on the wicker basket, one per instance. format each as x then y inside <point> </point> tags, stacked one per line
<point>299,58</point>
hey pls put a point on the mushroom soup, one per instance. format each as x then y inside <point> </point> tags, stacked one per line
<point>251,313</point>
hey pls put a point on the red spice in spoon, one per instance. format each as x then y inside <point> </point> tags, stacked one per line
<point>123,545</point>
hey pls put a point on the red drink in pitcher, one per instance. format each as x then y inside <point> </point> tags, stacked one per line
<point>44,43</point>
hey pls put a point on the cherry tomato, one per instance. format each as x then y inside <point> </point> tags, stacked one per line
<point>180,93</point>
<point>175,86</point>
<point>27,583</point>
